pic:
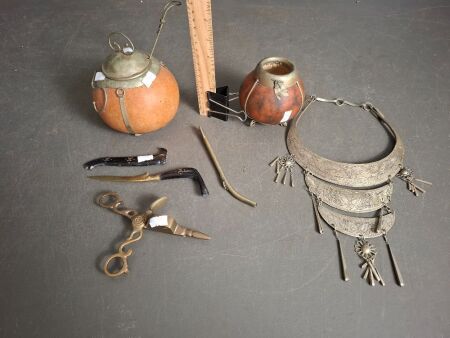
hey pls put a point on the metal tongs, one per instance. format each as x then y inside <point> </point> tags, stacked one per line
<point>139,221</point>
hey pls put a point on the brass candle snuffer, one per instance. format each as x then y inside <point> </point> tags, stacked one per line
<point>117,264</point>
<point>134,92</point>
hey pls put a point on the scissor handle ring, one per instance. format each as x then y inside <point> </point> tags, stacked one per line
<point>108,199</point>
<point>123,269</point>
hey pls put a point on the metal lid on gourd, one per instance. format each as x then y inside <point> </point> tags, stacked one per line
<point>128,67</point>
<point>126,63</point>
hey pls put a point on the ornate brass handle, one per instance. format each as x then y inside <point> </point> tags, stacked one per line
<point>123,262</point>
<point>111,200</point>
<point>121,256</point>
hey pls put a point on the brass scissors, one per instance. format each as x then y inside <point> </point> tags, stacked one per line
<point>139,221</point>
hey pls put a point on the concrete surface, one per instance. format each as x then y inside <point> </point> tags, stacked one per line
<point>266,272</point>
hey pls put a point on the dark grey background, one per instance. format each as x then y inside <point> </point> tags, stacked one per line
<point>266,272</point>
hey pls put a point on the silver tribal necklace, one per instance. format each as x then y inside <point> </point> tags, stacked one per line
<point>342,192</point>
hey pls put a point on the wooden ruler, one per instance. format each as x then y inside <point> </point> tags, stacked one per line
<point>201,31</point>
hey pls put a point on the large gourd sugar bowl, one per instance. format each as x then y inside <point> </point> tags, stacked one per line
<point>273,92</point>
<point>134,92</point>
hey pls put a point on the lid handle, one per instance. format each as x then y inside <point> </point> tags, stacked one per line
<point>127,49</point>
<point>162,21</point>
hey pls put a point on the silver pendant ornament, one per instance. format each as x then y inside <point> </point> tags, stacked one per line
<point>407,175</point>
<point>284,165</point>
<point>367,252</point>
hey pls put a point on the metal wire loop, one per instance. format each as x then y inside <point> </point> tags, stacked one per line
<point>235,112</point>
<point>115,46</point>
<point>162,21</point>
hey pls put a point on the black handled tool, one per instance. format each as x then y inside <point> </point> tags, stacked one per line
<point>129,161</point>
<point>146,177</point>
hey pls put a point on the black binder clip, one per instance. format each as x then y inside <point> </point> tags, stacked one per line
<point>219,105</point>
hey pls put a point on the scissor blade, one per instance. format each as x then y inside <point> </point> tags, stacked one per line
<point>167,224</point>
<point>158,204</point>
<point>138,178</point>
<point>199,235</point>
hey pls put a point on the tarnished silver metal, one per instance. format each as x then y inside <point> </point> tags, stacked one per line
<point>355,188</point>
<point>341,258</point>
<point>385,210</point>
<point>279,82</point>
<point>153,68</point>
<point>397,272</point>
<point>125,63</point>
<point>316,202</point>
<point>351,200</point>
<point>357,175</point>
<point>356,226</point>
<point>407,175</point>
<point>367,252</point>
<point>284,165</point>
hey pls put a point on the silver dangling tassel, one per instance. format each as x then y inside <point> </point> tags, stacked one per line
<point>274,161</point>
<point>278,172</point>
<point>285,176</point>
<point>277,168</point>
<point>315,201</point>
<point>367,252</point>
<point>407,175</point>
<point>398,275</point>
<point>292,179</point>
<point>284,164</point>
<point>343,264</point>
<point>385,210</point>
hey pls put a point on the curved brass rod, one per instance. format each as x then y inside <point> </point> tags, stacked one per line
<point>225,182</point>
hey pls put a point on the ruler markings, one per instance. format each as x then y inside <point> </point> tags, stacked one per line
<point>202,44</point>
